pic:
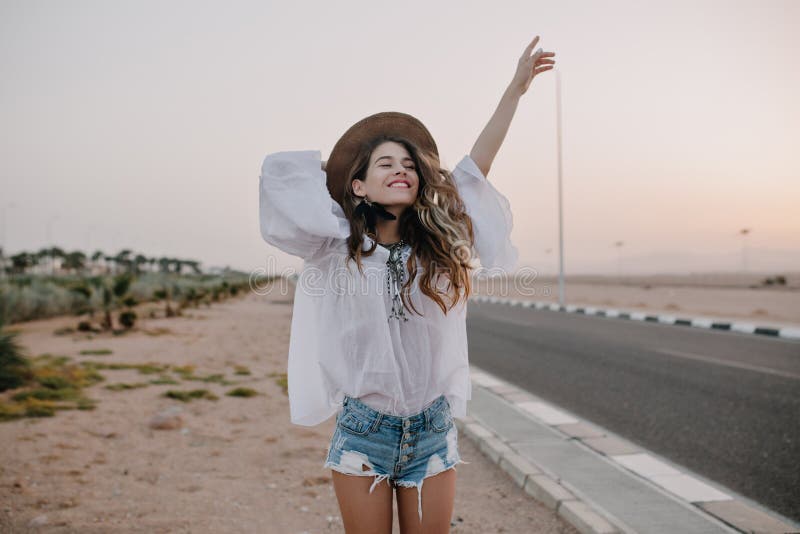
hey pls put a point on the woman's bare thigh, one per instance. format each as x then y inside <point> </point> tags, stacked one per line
<point>362,511</point>
<point>438,495</point>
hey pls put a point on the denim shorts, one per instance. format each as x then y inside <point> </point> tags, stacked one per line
<point>403,450</point>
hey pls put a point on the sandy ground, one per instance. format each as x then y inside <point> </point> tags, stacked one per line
<point>726,296</point>
<point>231,465</point>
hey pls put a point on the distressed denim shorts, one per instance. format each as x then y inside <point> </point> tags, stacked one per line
<point>403,450</point>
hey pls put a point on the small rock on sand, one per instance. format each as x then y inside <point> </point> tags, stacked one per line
<point>168,419</point>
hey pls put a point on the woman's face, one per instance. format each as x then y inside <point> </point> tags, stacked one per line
<point>391,178</point>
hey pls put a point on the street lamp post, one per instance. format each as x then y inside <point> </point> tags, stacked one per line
<point>619,244</point>
<point>560,203</point>
<point>50,244</point>
<point>89,230</point>
<point>744,233</point>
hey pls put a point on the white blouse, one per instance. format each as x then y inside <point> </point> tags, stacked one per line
<point>343,340</point>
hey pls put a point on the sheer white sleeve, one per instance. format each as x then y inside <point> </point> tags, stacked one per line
<point>491,216</point>
<point>296,211</point>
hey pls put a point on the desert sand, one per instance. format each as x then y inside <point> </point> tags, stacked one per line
<point>228,465</point>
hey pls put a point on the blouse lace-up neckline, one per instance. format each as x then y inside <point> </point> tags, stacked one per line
<point>395,277</point>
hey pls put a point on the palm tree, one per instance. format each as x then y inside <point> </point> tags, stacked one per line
<point>98,255</point>
<point>114,295</point>
<point>194,266</point>
<point>55,252</point>
<point>137,262</point>
<point>75,261</point>
<point>22,261</point>
<point>123,258</point>
<point>111,264</point>
<point>41,254</point>
<point>86,290</point>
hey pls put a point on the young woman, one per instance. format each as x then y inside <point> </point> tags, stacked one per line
<point>378,333</point>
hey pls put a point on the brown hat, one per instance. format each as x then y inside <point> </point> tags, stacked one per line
<point>384,123</point>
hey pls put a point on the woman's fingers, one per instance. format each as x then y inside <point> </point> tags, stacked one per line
<point>529,48</point>
<point>532,63</point>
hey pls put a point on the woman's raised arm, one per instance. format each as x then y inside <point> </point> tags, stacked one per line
<point>491,138</point>
<point>296,211</point>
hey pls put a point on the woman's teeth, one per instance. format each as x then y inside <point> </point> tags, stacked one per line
<point>399,184</point>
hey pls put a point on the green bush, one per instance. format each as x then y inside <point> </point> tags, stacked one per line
<point>15,368</point>
<point>242,392</point>
<point>127,319</point>
<point>186,396</point>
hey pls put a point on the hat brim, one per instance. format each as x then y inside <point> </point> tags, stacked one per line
<point>385,123</point>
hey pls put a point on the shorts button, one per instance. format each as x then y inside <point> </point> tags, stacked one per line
<point>405,457</point>
<point>406,423</point>
<point>406,435</point>
<point>405,445</point>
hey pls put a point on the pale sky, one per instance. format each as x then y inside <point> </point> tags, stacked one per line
<point>143,124</point>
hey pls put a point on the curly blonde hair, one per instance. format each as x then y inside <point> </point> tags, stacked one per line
<point>436,226</point>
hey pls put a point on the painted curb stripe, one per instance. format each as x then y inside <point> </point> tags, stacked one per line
<point>698,322</point>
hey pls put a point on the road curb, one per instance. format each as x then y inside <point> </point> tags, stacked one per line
<point>542,487</point>
<point>697,322</point>
<point>716,502</point>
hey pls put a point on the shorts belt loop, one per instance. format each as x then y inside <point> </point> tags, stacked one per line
<point>377,423</point>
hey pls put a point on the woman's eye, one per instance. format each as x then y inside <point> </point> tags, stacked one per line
<point>411,167</point>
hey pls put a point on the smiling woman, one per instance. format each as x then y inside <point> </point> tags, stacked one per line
<point>391,167</point>
<point>397,379</point>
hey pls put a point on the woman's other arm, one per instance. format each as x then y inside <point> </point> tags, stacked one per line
<point>493,134</point>
<point>296,211</point>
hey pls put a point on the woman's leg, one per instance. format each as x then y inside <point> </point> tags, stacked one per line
<point>362,511</point>
<point>438,494</point>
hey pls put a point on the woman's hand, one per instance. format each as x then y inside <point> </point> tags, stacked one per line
<point>531,65</point>
<point>490,139</point>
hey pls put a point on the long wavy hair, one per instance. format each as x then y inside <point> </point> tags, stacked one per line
<point>436,226</point>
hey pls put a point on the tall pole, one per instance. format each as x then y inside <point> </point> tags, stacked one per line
<point>618,244</point>
<point>89,230</point>
<point>50,244</point>
<point>743,232</point>
<point>560,203</point>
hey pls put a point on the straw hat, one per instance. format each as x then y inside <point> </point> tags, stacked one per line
<point>384,123</point>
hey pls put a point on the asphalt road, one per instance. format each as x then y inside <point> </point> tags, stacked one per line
<point>723,404</point>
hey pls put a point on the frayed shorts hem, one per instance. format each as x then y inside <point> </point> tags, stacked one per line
<point>394,483</point>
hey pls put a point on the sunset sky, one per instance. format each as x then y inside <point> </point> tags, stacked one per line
<point>143,124</point>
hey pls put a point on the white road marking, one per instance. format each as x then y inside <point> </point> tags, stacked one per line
<point>728,363</point>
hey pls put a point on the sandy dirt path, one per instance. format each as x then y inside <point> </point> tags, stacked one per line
<point>230,465</point>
